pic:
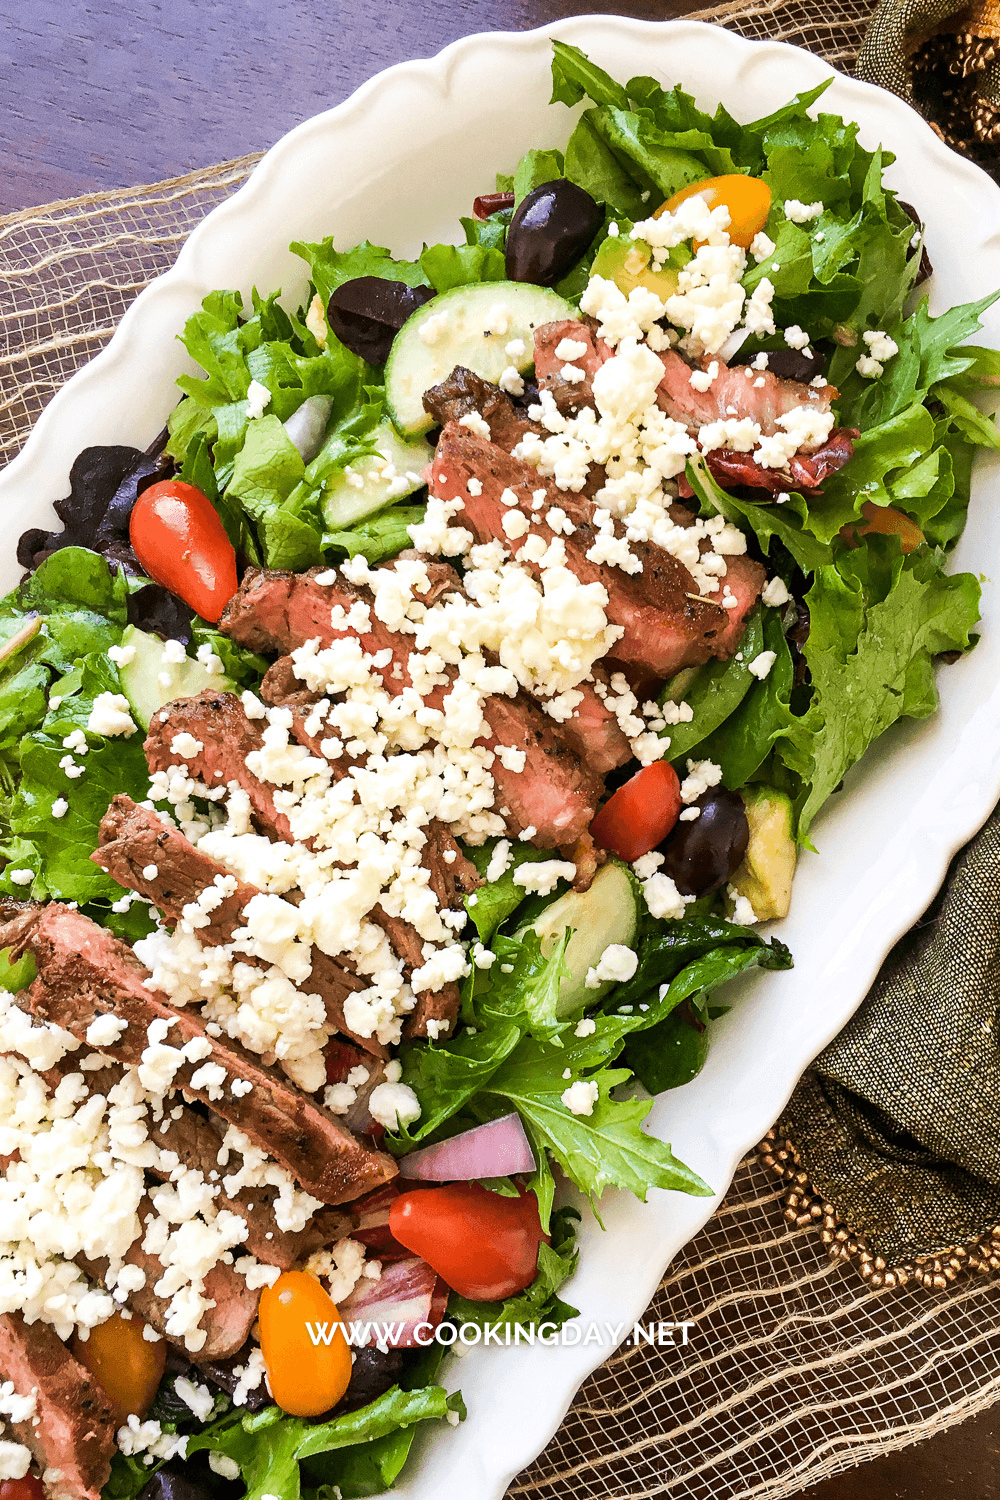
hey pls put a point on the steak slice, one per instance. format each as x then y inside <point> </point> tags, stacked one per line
<point>666,624</point>
<point>464,393</point>
<point>226,1326</point>
<point>132,839</point>
<point>760,395</point>
<point>75,1431</point>
<point>219,723</point>
<point>570,396</point>
<point>594,732</point>
<point>198,1145</point>
<point>84,972</point>
<point>554,793</point>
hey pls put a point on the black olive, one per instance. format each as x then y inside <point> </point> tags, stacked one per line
<point>793,364</point>
<point>701,856</point>
<point>926,269</point>
<point>372,1373</point>
<point>368,312</point>
<point>166,1485</point>
<point>551,228</point>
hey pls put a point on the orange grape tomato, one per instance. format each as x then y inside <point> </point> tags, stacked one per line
<point>306,1373</point>
<point>747,198</point>
<point>176,534</point>
<point>126,1366</point>
<point>883,520</point>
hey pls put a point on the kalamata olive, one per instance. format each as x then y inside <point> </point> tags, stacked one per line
<point>551,228</point>
<point>794,364</point>
<point>368,312</point>
<point>926,269</point>
<point>166,1485</point>
<point>372,1373</point>
<point>700,856</point>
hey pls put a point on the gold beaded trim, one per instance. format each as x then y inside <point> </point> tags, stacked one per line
<point>804,1207</point>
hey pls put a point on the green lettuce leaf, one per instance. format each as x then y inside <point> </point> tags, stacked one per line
<point>877,621</point>
<point>269,1446</point>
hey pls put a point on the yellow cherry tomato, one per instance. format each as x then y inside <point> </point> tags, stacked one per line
<point>125,1365</point>
<point>306,1374</point>
<point>884,520</point>
<point>747,198</point>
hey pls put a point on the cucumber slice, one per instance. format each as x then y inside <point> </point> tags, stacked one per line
<point>471,326</point>
<point>345,503</point>
<point>603,915</point>
<point>141,678</point>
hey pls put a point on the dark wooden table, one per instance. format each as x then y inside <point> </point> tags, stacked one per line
<point>100,95</point>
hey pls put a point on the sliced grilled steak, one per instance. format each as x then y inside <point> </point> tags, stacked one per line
<point>226,1326</point>
<point>594,732</point>
<point>84,972</point>
<point>554,794</point>
<point>666,624</point>
<point>282,689</point>
<point>440,1007</point>
<point>220,725</point>
<point>735,392</point>
<point>75,1431</point>
<point>197,1144</point>
<point>464,393</point>
<point>570,396</point>
<point>132,839</point>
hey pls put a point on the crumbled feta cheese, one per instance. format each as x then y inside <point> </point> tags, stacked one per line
<point>394,1105</point>
<point>542,878</point>
<point>762,664</point>
<point>617,964</point>
<point>15,1460</point>
<point>104,1031</point>
<point>258,399</point>
<point>796,337</point>
<point>586,1027</point>
<point>21,877</point>
<point>581,1096</point>
<point>775,593</point>
<point>761,246</point>
<point>801,213</point>
<point>511,381</point>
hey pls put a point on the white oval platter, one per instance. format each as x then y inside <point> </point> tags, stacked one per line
<point>398,163</point>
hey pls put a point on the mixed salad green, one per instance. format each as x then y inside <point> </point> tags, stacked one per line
<point>854,647</point>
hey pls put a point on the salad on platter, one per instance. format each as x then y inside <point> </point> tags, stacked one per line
<point>400,754</point>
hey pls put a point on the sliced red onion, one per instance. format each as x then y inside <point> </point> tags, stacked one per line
<point>497,1149</point>
<point>370,1216</point>
<point>306,427</point>
<point>733,344</point>
<point>405,1295</point>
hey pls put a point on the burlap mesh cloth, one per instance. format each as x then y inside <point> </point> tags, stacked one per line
<point>795,1368</point>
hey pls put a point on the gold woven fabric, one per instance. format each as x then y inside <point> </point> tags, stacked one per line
<point>794,1368</point>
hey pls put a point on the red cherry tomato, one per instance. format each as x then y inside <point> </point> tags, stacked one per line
<point>640,814</point>
<point>28,1488</point>
<point>177,536</point>
<point>483,1245</point>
